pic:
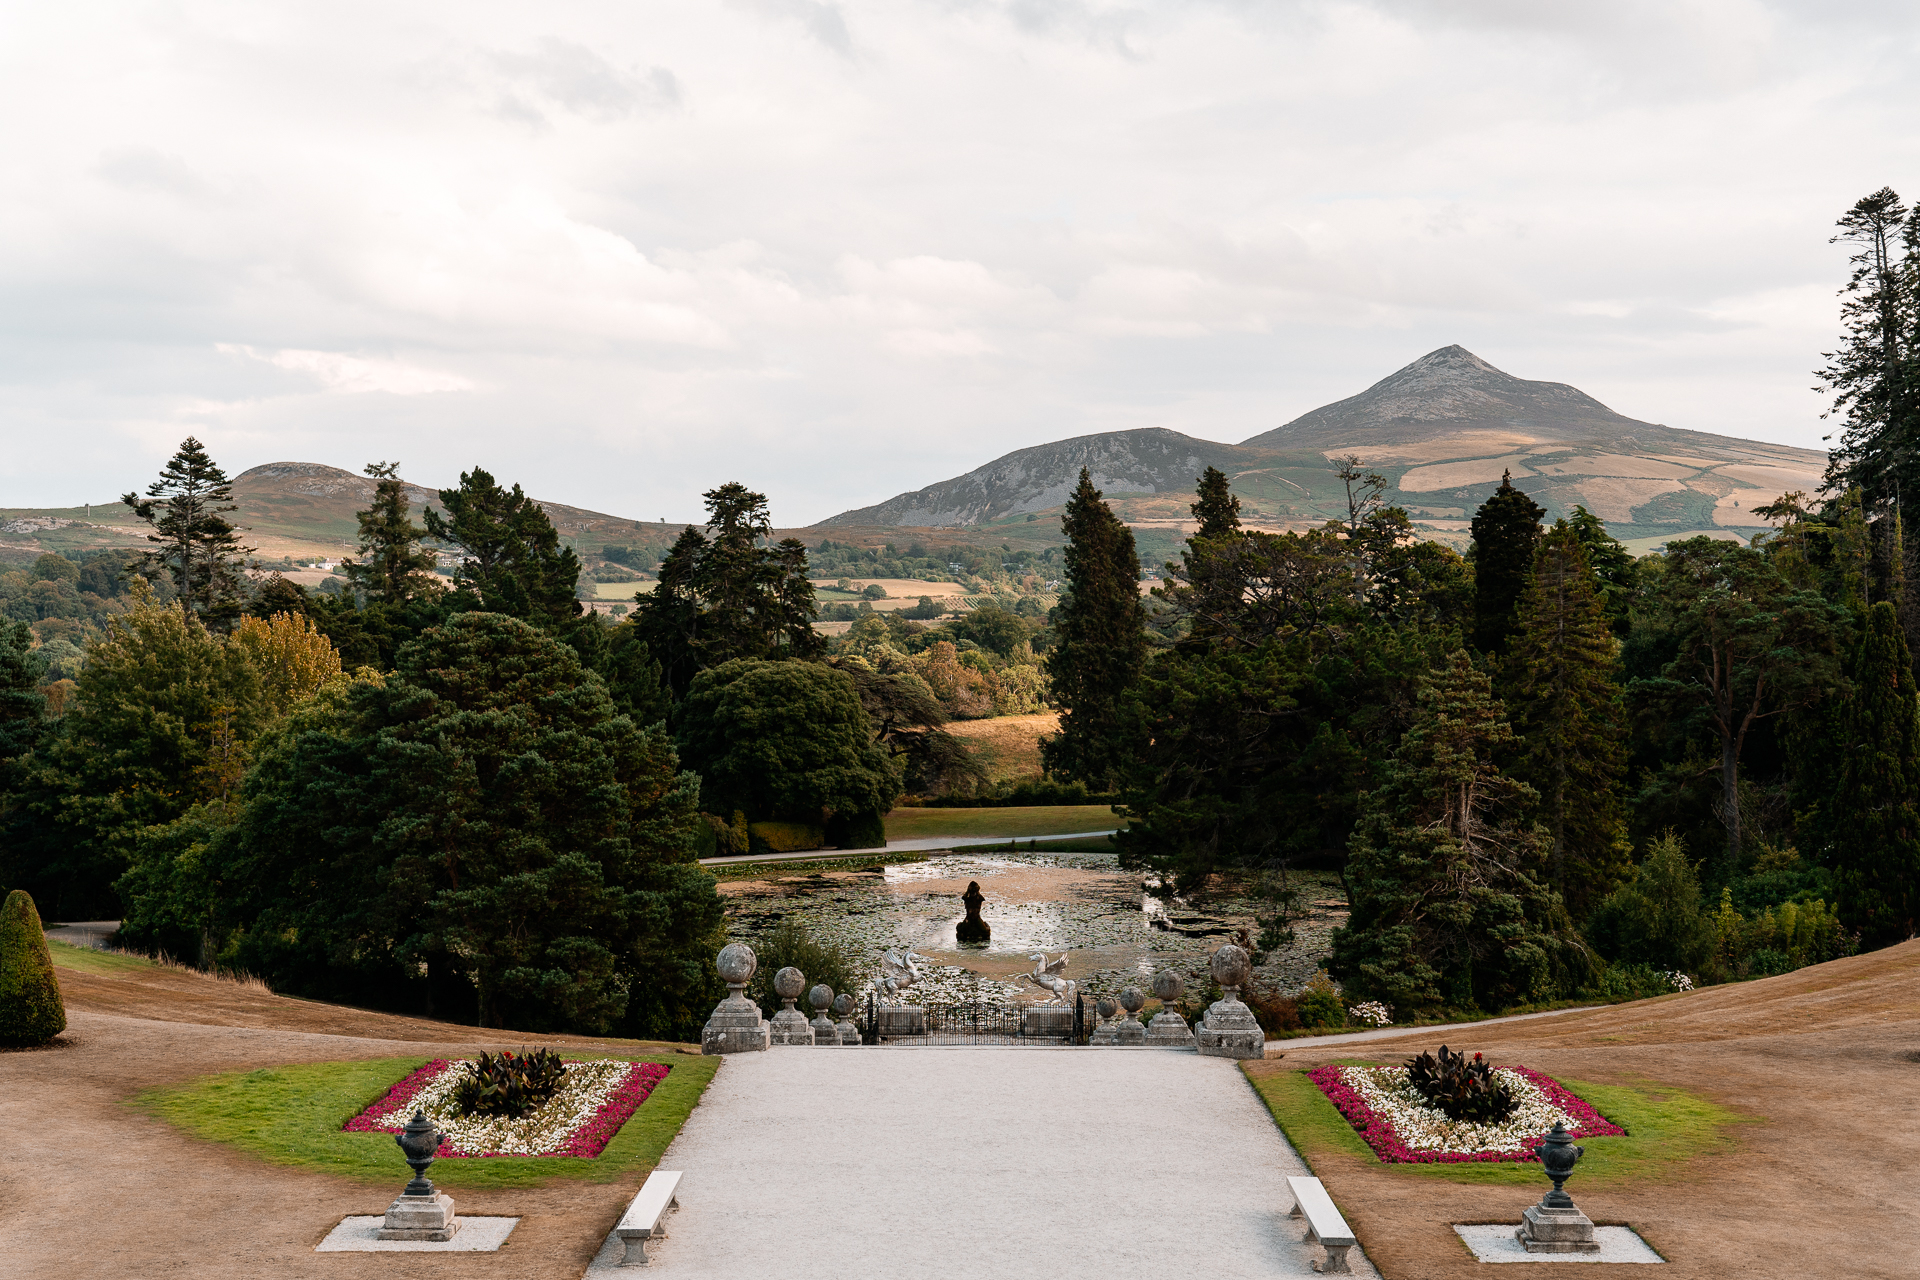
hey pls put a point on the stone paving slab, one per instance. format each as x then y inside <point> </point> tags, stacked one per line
<point>1012,1163</point>
<point>358,1234</point>
<point>1495,1243</point>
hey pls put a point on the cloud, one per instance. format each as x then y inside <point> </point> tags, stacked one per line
<point>355,375</point>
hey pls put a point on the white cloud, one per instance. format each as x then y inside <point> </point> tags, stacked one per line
<point>838,250</point>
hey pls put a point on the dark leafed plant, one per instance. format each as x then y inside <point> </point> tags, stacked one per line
<point>1462,1089</point>
<point>509,1085</point>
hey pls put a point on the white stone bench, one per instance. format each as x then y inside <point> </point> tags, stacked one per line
<point>642,1221</point>
<point>1325,1226</point>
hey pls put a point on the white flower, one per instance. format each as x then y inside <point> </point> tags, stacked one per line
<point>1424,1127</point>
<point>542,1131</point>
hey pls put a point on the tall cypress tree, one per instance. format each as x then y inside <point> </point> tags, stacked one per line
<point>392,566</point>
<point>1100,641</point>
<point>1872,818</point>
<point>1566,707</point>
<point>1505,531</point>
<point>1217,510</point>
<point>196,546</point>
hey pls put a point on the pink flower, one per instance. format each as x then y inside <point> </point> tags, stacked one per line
<point>1378,1132</point>
<point>390,1113</point>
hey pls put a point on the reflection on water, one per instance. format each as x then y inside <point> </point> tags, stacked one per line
<point>1016,926</point>
<point>957,865</point>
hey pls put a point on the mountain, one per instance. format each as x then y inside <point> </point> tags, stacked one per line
<point>1442,431</point>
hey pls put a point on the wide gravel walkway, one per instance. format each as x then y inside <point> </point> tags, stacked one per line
<point>1003,1163</point>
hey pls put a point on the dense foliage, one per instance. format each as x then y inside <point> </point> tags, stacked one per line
<point>509,1084</point>
<point>31,1011</point>
<point>1461,1087</point>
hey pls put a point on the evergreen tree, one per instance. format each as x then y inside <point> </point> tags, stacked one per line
<point>1567,711</point>
<point>195,546</point>
<point>1217,510</point>
<point>512,557</point>
<point>1874,376</point>
<point>1614,569</point>
<point>31,1011</point>
<point>393,566</point>
<point>1870,823</point>
<point>725,594</point>
<point>1505,530</point>
<point>1100,642</point>
<point>1656,919</point>
<point>23,708</point>
<point>1449,904</point>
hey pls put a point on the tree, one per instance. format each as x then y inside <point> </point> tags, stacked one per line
<point>1870,823</point>
<point>1449,905</point>
<point>512,557</point>
<point>195,545</point>
<point>907,719</point>
<point>392,566</point>
<point>1365,490</point>
<point>1745,645</point>
<point>293,658</point>
<point>1614,568</point>
<point>1656,919</point>
<point>1100,641</point>
<point>1505,529</point>
<point>31,1011</point>
<point>725,594</point>
<point>783,741</point>
<point>23,708</point>
<point>1572,730</point>
<point>1872,376</point>
<point>1217,509</point>
<point>482,833</point>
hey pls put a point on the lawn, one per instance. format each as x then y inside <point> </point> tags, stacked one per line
<point>87,960</point>
<point>292,1115</point>
<point>1664,1126</point>
<point>974,824</point>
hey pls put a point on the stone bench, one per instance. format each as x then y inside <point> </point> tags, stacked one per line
<point>643,1217</point>
<point>1325,1226</point>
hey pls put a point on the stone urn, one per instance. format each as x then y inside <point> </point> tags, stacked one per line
<point>1168,1029</point>
<point>1229,1029</point>
<point>736,1025</point>
<point>789,1024</point>
<point>843,1006</point>
<point>1556,1225</point>
<point>420,1212</point>
<point>824,1032</point>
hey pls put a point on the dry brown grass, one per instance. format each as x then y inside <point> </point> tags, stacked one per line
<point>1007,747</point>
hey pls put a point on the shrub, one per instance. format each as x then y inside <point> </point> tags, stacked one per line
<point>785,837</point>
<point>1320,1004</point>
<point>1656,920</point>
<point>509,1085</point>
<point>857,831</point>
<point>791,944</point>
<point>1273,1011</point>
<point>30,1007</point>
<point>1462,1089</point>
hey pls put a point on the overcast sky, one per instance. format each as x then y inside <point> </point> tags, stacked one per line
<point>624,252</point>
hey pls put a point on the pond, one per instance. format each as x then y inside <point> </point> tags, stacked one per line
<point>1114,929</point>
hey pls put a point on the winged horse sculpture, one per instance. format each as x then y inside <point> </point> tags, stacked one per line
<point>897,971</point>
<point>1046,974</point>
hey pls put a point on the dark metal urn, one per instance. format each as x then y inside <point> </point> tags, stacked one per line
<point>1558,1155</point>
<point>418,1142</point>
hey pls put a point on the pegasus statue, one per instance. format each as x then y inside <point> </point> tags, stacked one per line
<point>1046,974</point>
<point>897,971</point>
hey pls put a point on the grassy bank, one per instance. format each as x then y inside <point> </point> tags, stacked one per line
<point>1038,820</point>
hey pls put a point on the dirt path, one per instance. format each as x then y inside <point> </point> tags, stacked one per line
<point>1826,1061</point>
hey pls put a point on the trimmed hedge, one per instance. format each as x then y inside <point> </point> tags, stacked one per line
<point>786,837</point>
<point>30,1007</point>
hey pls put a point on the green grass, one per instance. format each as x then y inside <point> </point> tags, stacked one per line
<point>1665,1127</point>
<point>1035,820</point>
<point>87,960</point>
<point>292,1115</point>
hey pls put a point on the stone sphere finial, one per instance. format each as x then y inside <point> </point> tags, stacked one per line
<point>1107,1007</point>
<point>1132,1000</point>
<point>736,964</point>
<point>843,1005</point>
<point>1169,986</point>
<point>820,997</point>
<point>1231,967</point>
<point>789,983</point>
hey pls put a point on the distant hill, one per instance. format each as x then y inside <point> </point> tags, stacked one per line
<point>1442,430</point>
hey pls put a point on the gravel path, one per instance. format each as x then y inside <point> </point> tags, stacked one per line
<point>1009,1163</point>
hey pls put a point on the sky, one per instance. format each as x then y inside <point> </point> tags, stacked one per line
<point>621,253</point>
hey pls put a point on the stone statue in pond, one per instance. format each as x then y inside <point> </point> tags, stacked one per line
<point>973,928</point>
<point>1046,974</point>
<point>897,972</point>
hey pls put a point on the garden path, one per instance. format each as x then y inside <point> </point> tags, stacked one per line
<point>1010,1163</point>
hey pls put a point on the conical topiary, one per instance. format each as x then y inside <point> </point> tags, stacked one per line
<point>30,1008</point>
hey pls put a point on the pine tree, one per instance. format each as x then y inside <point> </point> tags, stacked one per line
<point>1100,642</point>
<point>1614,569</point>
<point>1872,819</point>
<point>1217,510</point>
<point>513,559</point>
<point>1449,905</point>
<point>392,566</point>
<point>1566,708</point>
<point>1505,530</point>
<point>196,547</point>
<point>1874,376</point>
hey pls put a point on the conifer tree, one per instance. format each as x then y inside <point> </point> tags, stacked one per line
<point>1505,530</point>
<point>195,545</point>
<point>1614,569</point>
<point>393,566</point>
<point>513,558</point>
<point>1566,708</point>
<point>1871,821</point>
<point>1874,375</point>
<point>31,1011</point>
<point>1445,865</point>
<point>1100,641</point>
<point>1218,509</point>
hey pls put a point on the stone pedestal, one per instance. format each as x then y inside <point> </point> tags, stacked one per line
<point>1230,1031</point>
<point>735,1027</point>
<point>824,1032</point>
<point>790,1026</point>
<point>1556,1230</point>
<point>902,1020</point>
<point>1169,1030</point>
<point>1047,1022</point>
<point>428,1217</point>
<point>848,1033</point>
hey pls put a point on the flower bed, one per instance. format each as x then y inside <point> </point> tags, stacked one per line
<point>1403,1128</point>
<point>579,1120</point>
